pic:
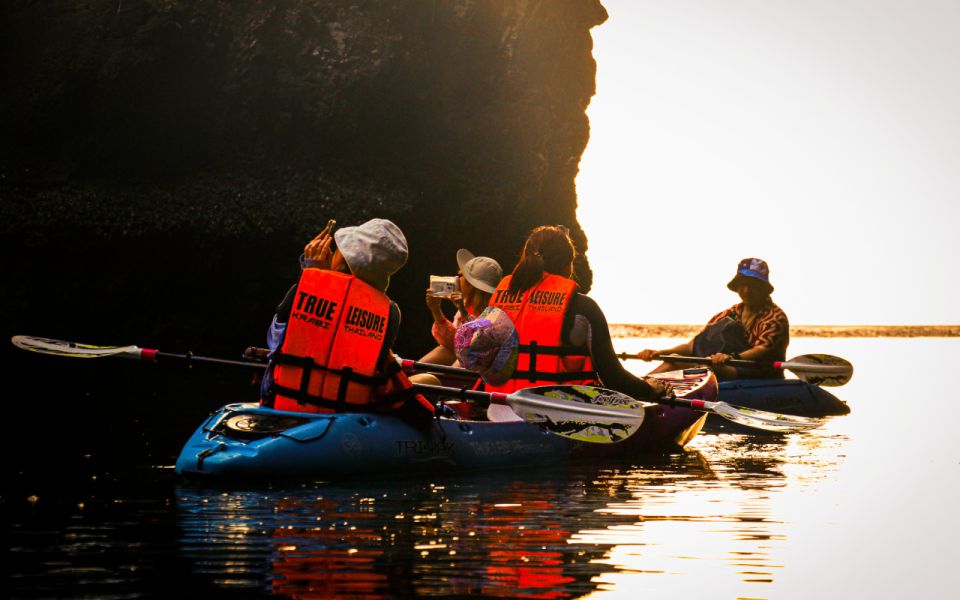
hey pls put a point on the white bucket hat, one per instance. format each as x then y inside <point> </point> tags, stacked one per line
<point>374,250</point>
<point>481,272</point>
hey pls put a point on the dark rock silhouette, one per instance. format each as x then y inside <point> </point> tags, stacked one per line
<point>162,163</point>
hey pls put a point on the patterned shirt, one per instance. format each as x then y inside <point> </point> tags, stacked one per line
<point>770,328</point>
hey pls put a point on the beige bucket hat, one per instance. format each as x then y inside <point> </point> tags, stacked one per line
<point>482,272</point>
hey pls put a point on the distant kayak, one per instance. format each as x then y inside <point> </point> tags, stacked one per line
<point>249,442</point>
<point>789,396</point>
<point>785,396</point>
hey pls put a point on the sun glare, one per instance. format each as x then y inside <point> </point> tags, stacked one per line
<point>794,132</point>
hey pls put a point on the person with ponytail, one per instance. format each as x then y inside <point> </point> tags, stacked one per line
<point>563,334</point>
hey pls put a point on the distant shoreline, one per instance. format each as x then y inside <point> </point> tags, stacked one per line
<point>620,330</point>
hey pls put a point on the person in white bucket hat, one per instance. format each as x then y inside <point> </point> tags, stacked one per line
<point>477,277</point>
<point>331,337</point>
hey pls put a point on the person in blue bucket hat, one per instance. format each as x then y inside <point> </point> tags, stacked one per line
<point>755,329</point>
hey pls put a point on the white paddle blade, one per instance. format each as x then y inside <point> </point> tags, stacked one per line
<point>502,413</point>
<point>581,413</point>
<point>761,419</point>
<point>820,369</point>
<point>73,349</point>
<point>599,405</point>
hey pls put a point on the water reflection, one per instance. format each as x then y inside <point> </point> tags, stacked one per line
<point>84,533</point>
<point>799,516</point>
<point>714,522</point>
<point>716,510</point>
<point>501,537</point>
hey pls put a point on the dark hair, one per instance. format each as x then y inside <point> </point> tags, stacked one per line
<point>548,249</point>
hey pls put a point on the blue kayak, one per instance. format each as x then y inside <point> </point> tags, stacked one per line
<point>250,442</point>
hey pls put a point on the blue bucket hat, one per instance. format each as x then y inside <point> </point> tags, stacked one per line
<point>754,268</point>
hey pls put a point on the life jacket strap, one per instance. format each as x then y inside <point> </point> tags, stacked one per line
<point>308,365</point>
<point>565,351</point>
<point>342,388</point>
<point>532,374</point>
<point>305,362</point>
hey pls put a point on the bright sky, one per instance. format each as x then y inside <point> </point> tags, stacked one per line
<point>822,136</point>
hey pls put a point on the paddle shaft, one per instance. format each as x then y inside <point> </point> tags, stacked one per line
<point>701,405</point>
<point>412,365</point>
<point>149,355</point>
<point>531,402</point>
<point>463,393</point>
<point>721,409</point>
<point>703,360</point>
<point>739,362</point>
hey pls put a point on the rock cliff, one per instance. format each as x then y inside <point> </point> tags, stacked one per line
<point>162,162</point>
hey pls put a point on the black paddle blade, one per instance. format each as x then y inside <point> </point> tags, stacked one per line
<point>820,369</point>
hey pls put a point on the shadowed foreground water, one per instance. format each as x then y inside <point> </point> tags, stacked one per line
<point>863,507</point>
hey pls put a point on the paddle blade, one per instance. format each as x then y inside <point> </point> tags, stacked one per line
<point>581,413</point>
<point>761,419</point>
<point>72,349</point>
<point>820,369</point>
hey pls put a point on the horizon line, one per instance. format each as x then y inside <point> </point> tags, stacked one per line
<point>689,330</point>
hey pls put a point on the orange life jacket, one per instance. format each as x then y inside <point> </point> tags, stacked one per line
<point>538,316</point>
<point>334,338</point>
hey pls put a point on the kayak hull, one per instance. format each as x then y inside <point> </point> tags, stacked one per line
<point>787,396</point>
<point>331,446</point>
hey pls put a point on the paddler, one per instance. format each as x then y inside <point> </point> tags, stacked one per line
<point>331,337</point>
<point>755,329</point>
<point>562,335</point>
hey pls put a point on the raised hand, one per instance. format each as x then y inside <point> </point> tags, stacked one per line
<point>319,250</point>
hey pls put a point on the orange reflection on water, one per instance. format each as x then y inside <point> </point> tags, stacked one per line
<point>328,562</point>
<point>522,561</point>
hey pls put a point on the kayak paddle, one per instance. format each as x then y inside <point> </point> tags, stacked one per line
<point>745,416</point>
<point>581,413</point>
<point>749,417</point>
<point>818,369</point>
<point>592,416</point>
<point>77,350</point>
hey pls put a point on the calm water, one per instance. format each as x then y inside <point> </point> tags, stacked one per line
<point>864,507</point>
